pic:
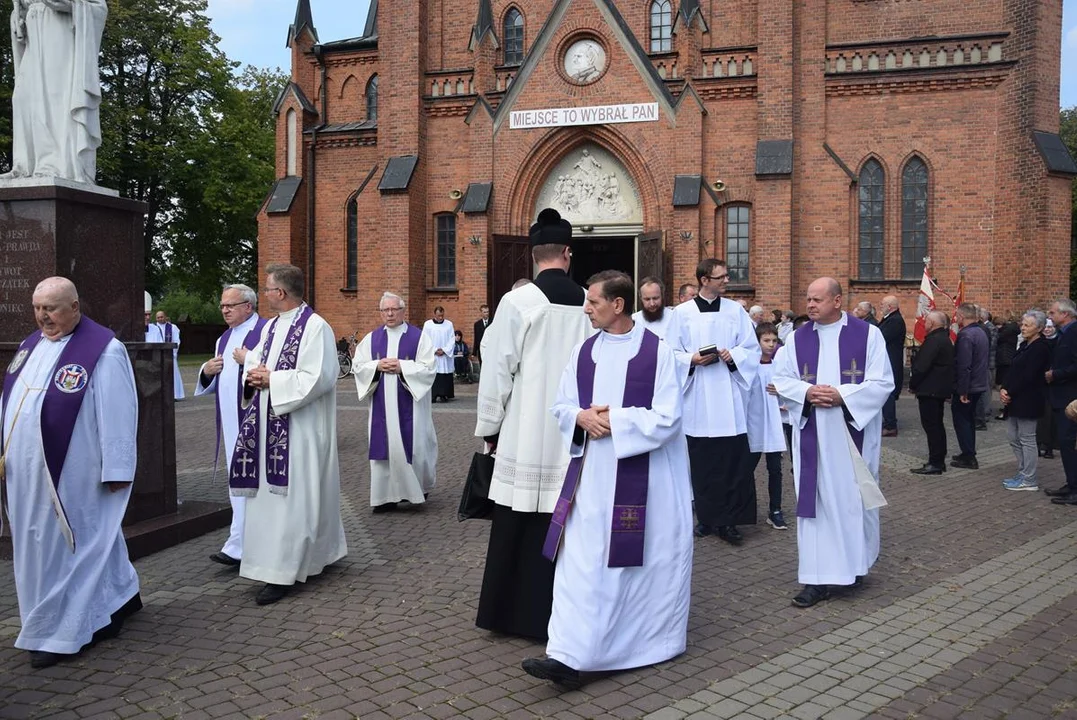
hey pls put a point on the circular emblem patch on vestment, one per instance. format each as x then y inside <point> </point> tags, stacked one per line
<point>71,378</point>
<point>18,360</point>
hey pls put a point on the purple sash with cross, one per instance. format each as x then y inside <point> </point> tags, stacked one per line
<point>406,349</point>
<point>852,357</point>
<point>168,332</point>
<point>66,391</point>
<point>633,473</point>
<point>249,343</point>
<point>244,472</point>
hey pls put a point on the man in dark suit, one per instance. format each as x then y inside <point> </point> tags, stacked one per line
<point>970,381</point>
<point>932,381</point>
<point>480,330</point>
<point>892,326</point>
<point>1061,391</point>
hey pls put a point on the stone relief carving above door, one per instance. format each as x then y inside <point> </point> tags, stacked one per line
<point>590,185</point>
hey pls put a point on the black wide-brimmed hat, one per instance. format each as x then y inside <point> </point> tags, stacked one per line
<point>551,229</point>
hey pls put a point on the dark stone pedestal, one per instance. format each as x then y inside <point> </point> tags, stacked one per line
<point>92,237</point>
<point>155,519</point>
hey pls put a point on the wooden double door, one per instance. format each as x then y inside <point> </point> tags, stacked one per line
<point>639,256</point>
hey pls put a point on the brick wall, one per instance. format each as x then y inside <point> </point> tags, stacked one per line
<point>992,206</point>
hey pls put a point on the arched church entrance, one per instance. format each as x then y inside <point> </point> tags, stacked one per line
<point>593,190</point>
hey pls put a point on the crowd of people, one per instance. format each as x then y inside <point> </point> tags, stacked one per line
<point>609,430</point>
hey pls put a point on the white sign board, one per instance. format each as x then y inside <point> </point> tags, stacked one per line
<point>592,115</point>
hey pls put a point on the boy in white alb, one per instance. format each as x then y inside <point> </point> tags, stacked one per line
<point>765,433</point>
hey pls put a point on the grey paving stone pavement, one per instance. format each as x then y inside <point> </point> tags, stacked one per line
<point>970,612</point>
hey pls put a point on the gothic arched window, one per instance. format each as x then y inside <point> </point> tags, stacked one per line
<point>513,33</point>
<point>372,99</point>
<point>914,208</point>
<point>871,205</point>
<point>661,26</point>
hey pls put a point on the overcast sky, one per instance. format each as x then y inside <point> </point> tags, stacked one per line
<point>253,31</point>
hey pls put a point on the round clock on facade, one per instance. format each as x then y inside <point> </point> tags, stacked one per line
<point>585,60</point>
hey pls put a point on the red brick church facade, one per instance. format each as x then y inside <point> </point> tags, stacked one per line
<point>795,139</point>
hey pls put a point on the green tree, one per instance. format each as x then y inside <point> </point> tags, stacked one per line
<point>1068,131</point>
<point>218,189</point>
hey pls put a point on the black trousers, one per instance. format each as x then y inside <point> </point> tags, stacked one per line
<point>964,417</point>
<point>774,477</point>
<point>517,585</point>
<point>1067,444</point>
<point>932,411</point>
<point>722,480</point>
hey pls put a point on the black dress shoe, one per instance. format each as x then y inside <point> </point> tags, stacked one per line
<point>40,659</point>
<point>1049,454</point>
<point>730,534</point>
<point>929,469</point>
<point>702,530</point>
<point>224,559</point>
<point>1059,492</point>
<point>969,463</point>
<point>981,426</point>
<point>811,595</point>
<point>550,669</point>
<point>385,507</point>
<point>1070,499</point>
<point>271,593</point>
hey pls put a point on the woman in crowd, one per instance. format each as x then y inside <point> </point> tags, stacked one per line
<point>1023,396</point>
<point>1008,333</point>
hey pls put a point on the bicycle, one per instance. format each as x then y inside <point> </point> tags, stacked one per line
<point>345,352</point>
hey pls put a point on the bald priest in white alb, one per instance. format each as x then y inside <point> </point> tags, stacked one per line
<point>622,529</point>
<point>395,365</point>
<point>69,440</point>
<point>833,376</point>
<point>285,460</point>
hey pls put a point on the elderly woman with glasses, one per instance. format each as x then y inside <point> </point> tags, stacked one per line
<point>1023,397</point>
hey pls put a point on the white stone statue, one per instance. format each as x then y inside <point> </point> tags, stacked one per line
<point>56,122</point>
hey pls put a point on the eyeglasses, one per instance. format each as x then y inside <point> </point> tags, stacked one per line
<point>228,306</point>
<point>717,277</point>
<point>271,289</point>
<point>391,309</point>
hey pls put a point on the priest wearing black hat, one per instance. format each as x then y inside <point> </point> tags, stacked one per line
<point>525,350</point>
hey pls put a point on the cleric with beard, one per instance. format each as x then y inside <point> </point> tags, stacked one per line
<point>653,313</point>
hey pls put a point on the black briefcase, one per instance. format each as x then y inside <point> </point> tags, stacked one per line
<point>475,503</point>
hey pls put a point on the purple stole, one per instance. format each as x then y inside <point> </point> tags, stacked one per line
<point>852,356</point>
<point>63,398</point>
<point>633,473</point>
<point>245,468</point>
<point>168,332</point>
<point>406,349</point>
<point>248,342</point>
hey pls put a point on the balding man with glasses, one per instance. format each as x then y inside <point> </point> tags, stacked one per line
<point>222,376</point>
<point>396,366</point>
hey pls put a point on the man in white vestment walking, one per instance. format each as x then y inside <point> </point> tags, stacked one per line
<point>153,333</point>
<point>69,426</point>
<point>833,376</point>
<point>717,348</point>
<point>285,460</point>
<point>222,376</point>
<point>653,314</point>
<point>622,530</point>
<point>395,364</point>
<point>442,337</point>
<point>170,334</point>
<point>524,350</point>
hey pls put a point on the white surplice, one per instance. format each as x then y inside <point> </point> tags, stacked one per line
<point>714,396</point>
<point>523,351</point>
<point>664,327</point>
<point>842,540</point>
<point>442,337</point>
<point>226,385</point>
<point>394,479</point>
<point>765,433</point>
<point>177,381</point>
<point>289,537</point>
<point>153,334</point>
<point>616,618</point>
<point>65,597</point>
